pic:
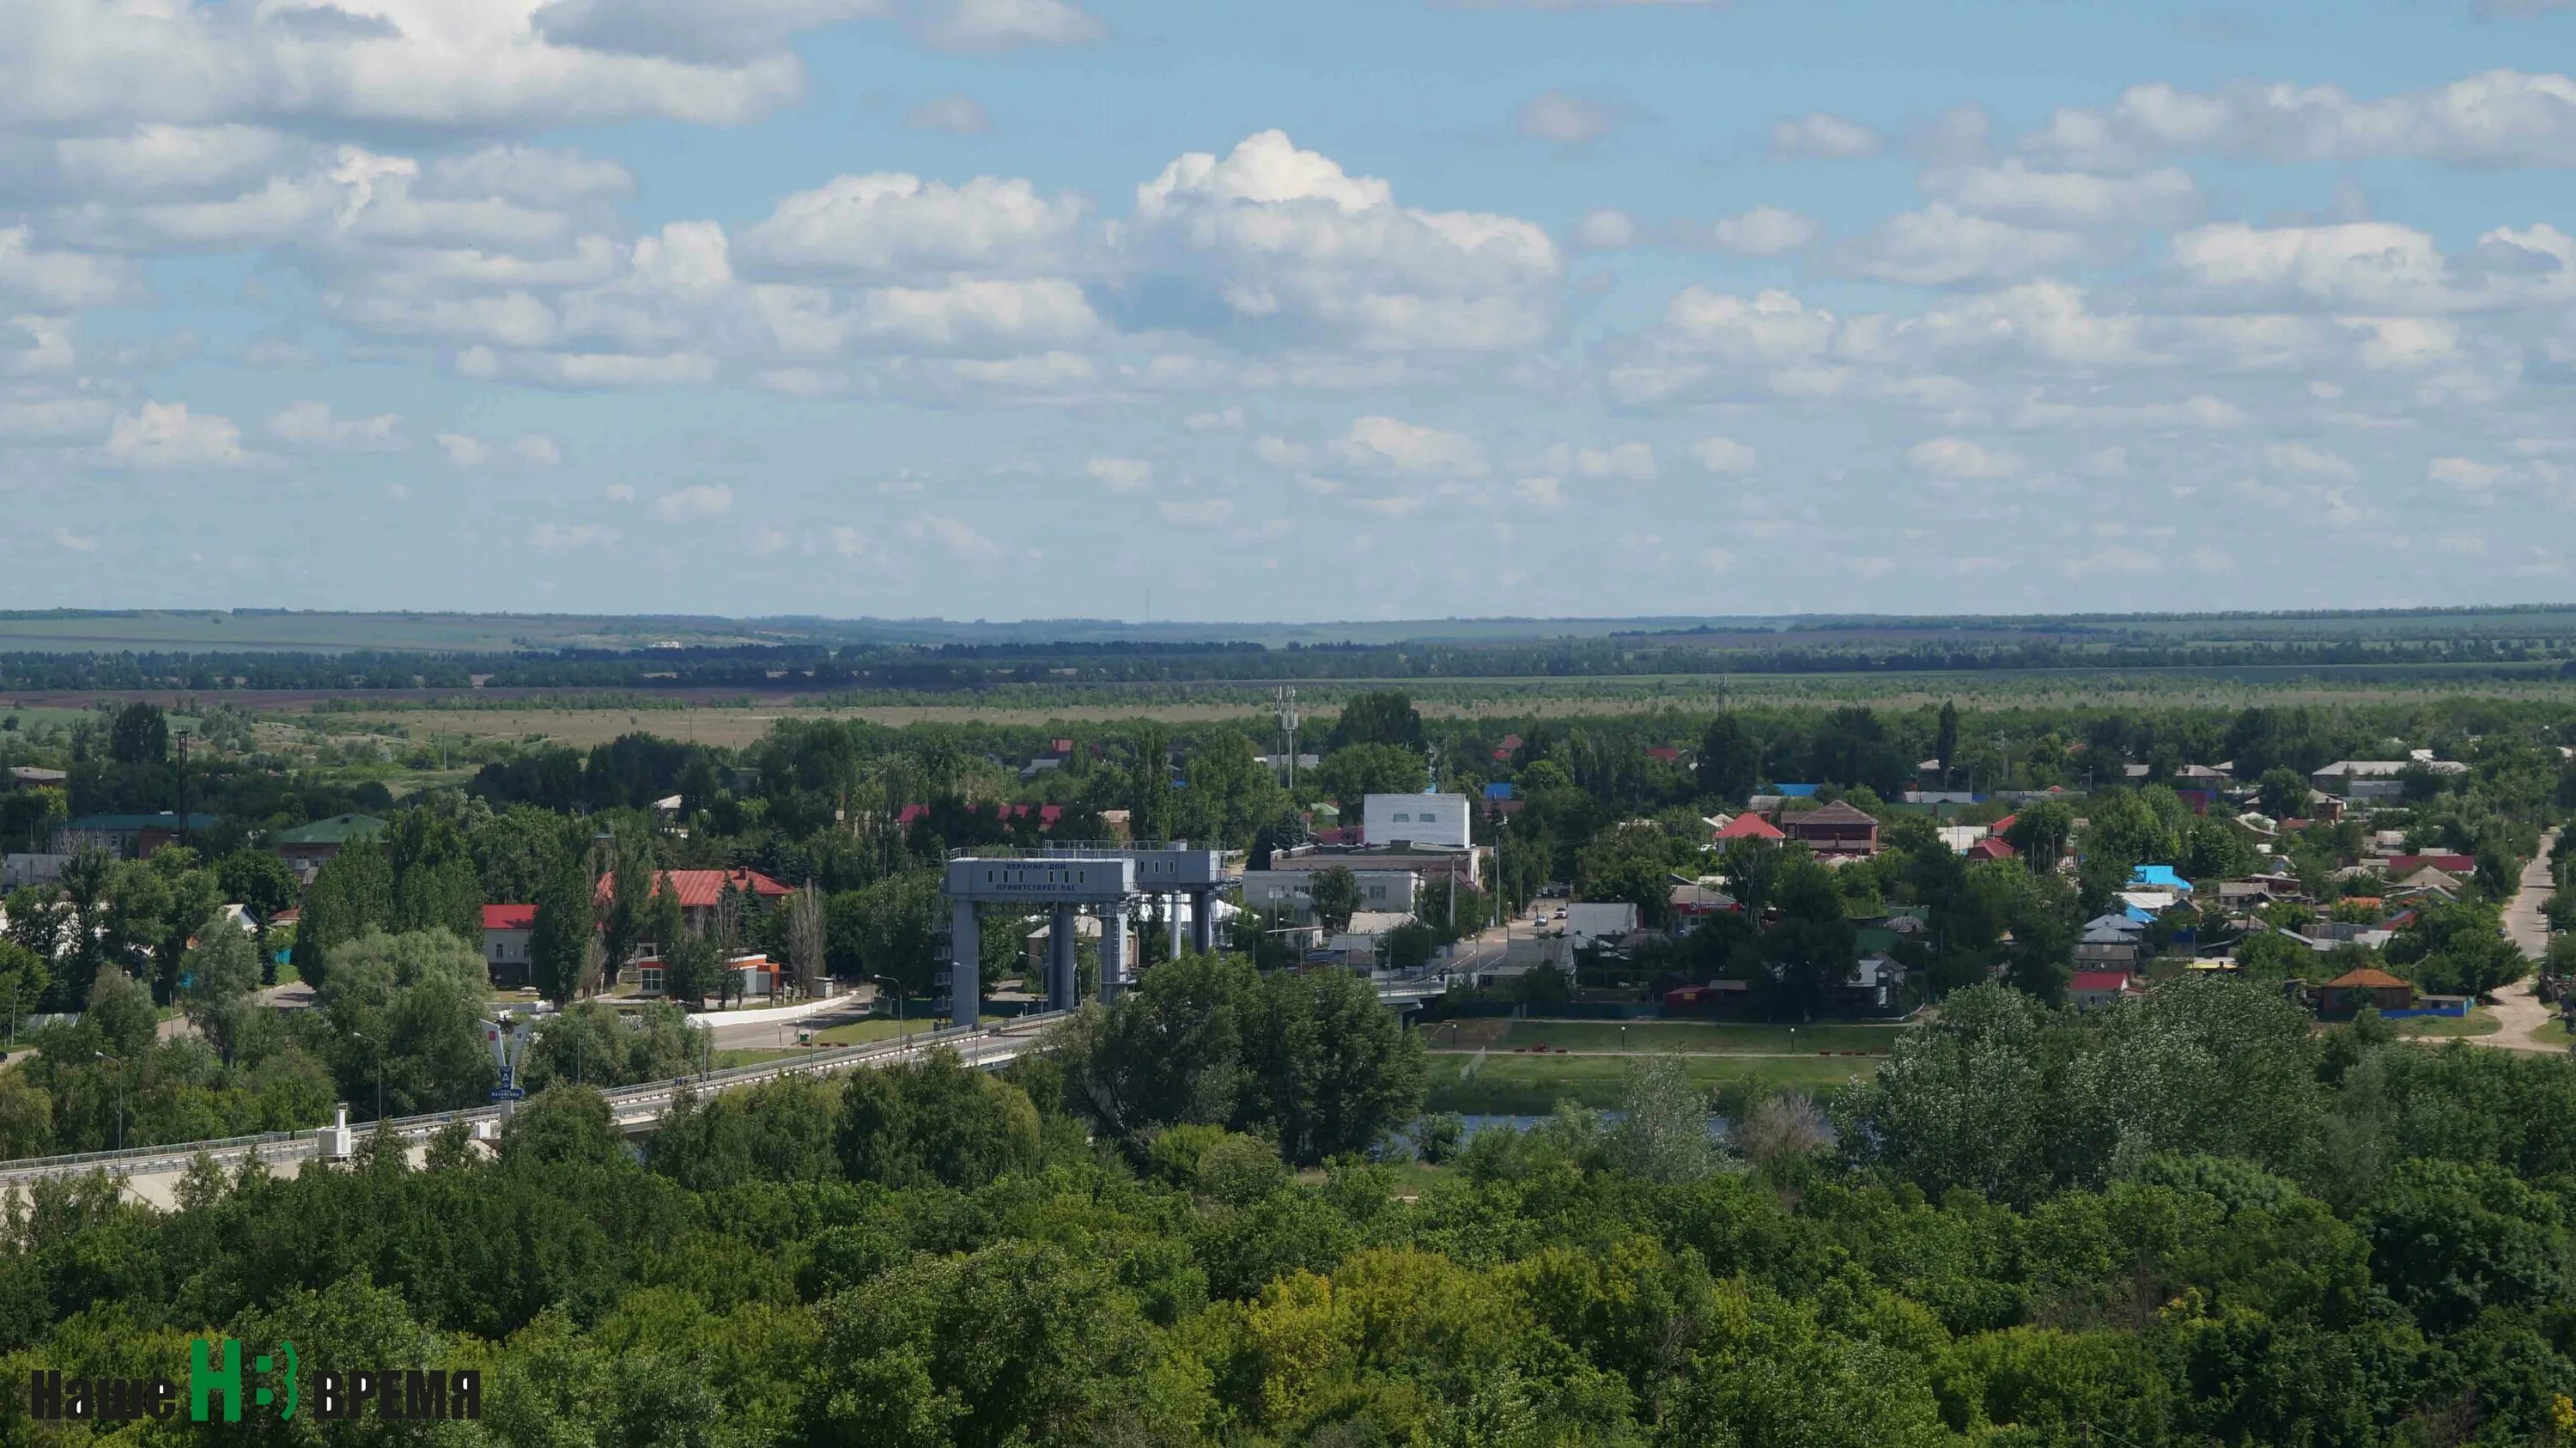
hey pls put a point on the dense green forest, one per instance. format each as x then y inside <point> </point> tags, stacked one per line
<point>2191,1221</point>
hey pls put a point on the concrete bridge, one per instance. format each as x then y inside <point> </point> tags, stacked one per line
<point>151,1174</point>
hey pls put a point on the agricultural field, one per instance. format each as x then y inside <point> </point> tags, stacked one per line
<point>738,724</point>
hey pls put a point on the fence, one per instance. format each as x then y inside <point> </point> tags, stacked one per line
<point>2446,1010</point>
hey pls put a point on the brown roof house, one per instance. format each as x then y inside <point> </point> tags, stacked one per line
<point>1834,829</point>
<point>2347,993</point>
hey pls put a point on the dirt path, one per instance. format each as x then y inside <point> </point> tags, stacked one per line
<point>2519,1011</point>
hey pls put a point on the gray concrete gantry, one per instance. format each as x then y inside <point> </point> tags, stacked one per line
<point>1071,880</point>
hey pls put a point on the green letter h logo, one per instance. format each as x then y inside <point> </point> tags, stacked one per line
<point>203,1380</point>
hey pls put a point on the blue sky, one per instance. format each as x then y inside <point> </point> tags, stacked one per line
<point>1009,308</point>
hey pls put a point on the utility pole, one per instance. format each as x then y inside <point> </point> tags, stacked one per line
<point>380,1071</point>
<point>182,737</point>
<point>119,1063</point>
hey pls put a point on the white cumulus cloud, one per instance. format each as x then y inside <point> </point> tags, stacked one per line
<point>1121,475</point>
<point>1764,231</point>
<point>698,500</point>
<point>1722,455</point>
<point>1823,134</point>
<point>1403,447</point>
<point>1959,458</point>
<point>167,434</point>
<point>312,423</point>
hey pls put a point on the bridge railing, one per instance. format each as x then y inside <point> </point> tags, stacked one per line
<point>640,1092</point>
<point>145,1153</point>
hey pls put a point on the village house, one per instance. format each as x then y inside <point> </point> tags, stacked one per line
<point>2347,993</point>
<point>1746,826</point>
<point>2378,778</point>
<point>306,848</point>
<point>1836,829</point>
<point>2093,990</point>
<point>127,836</point>
<point>699,890</point>
<point>507,930</point>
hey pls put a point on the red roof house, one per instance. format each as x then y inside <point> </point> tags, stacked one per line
<point>1750,826</point>
<point>506,932</point>
<point>2401,866</point>
<point>2091,989</point>
<point>1990,848</point>
<point>699,889</point>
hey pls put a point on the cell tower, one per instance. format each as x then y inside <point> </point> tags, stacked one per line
<point>1288,729</point>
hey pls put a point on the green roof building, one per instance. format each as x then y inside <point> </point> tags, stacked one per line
<point>305,847</point>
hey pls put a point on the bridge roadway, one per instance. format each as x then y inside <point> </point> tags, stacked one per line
<point>151,1174</point>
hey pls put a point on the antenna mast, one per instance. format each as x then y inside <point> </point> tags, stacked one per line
<point>1288,727</point>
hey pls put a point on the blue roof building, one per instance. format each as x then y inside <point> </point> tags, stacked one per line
<point>2157,877</point>
<point>1498,790</point>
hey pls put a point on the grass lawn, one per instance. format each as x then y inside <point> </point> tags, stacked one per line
<point>2480,1021</point>
<point>727,1060</point>
<point>1689,1037</point>
<point>1508,1085</point>
<point>851,1033</point>
<point>2554,1033</point>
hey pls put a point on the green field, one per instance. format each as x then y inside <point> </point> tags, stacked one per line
<point>81,631</point>
<point>1689,1037</point>
<point>1508,1085</point>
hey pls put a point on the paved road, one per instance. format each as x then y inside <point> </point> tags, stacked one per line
<point>2520,1012</point>
<point>151,1175</point>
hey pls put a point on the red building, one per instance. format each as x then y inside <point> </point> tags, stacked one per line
<point>1749,826</point>
<point>699,890</point>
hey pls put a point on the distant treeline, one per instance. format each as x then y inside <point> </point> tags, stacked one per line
<point>821,669</point>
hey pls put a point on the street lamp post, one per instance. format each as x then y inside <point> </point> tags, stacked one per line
<point>902,1037</point>
<point>119,1063</point>
<point>380,1070</point>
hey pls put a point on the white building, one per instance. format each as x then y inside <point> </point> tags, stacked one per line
<point>1288,892</point>
<point>1588,921</point>
<point>1421,819</point>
